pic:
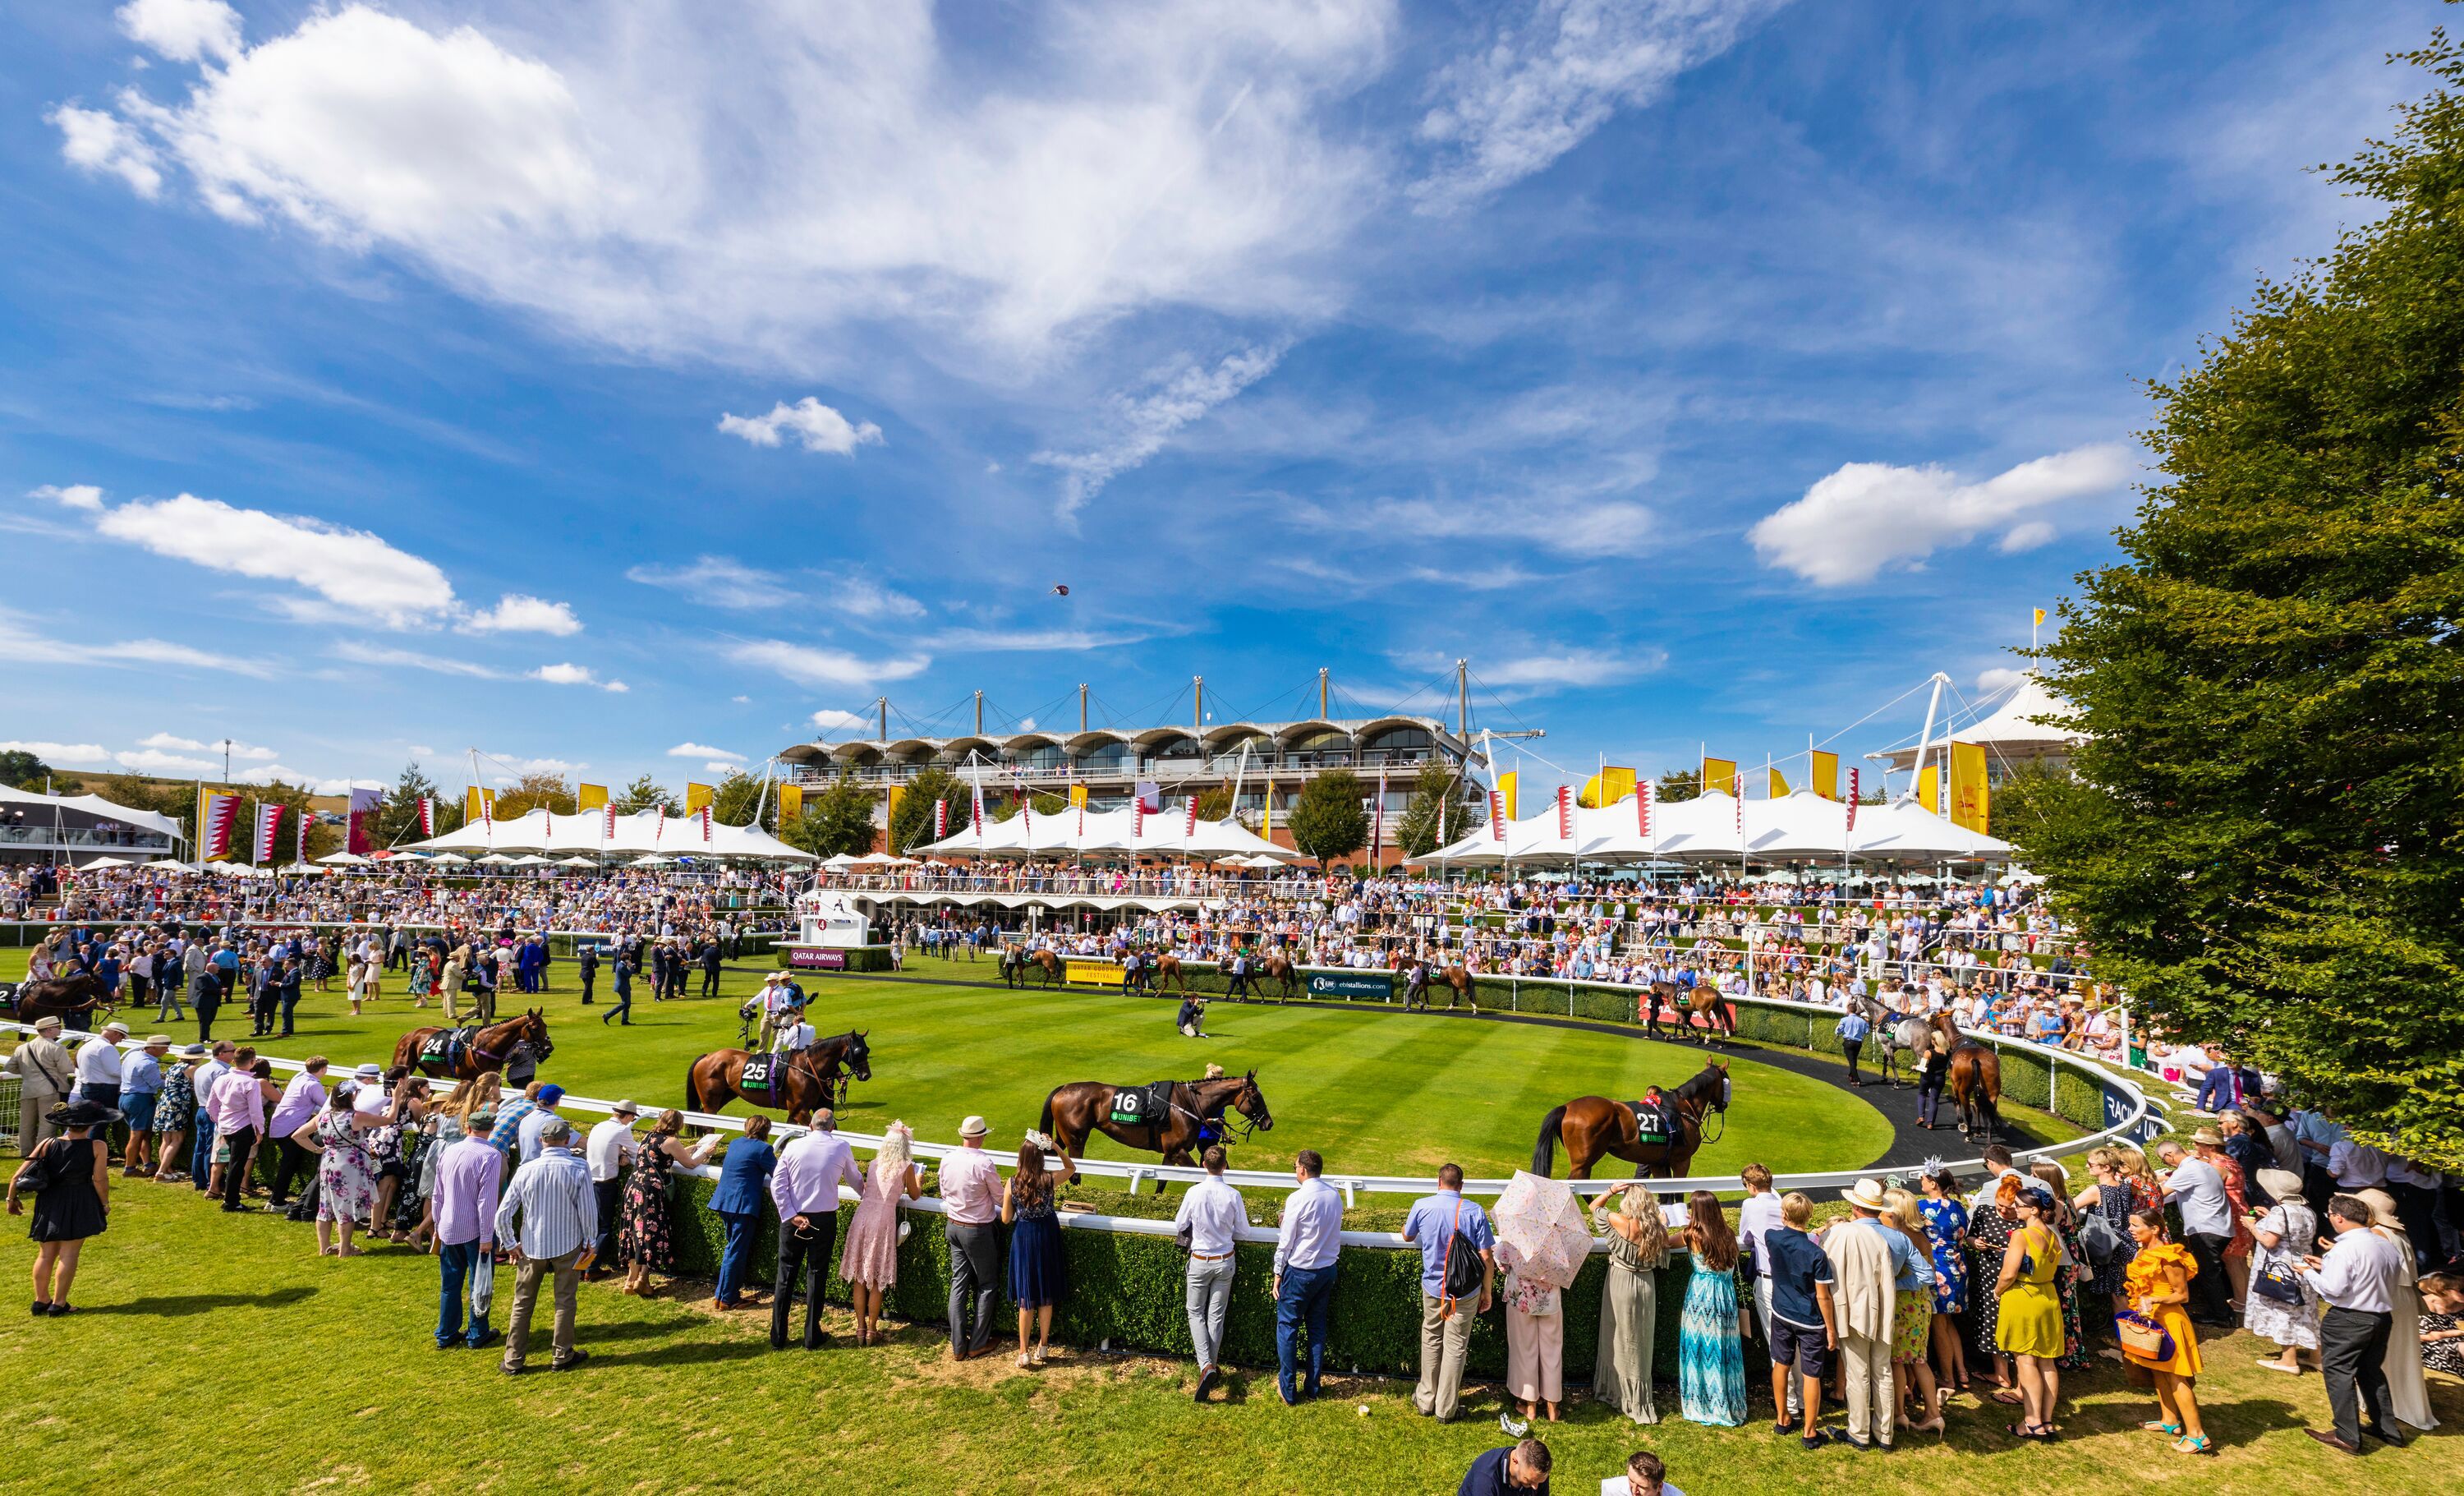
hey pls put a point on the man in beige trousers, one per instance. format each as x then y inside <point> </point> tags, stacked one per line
<point>44,1073</point>
<point>1867,1259</point>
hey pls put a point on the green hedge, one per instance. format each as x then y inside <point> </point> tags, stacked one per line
<point>1127,1289</point>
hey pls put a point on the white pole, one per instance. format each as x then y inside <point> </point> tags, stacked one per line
<point>1924,741</point>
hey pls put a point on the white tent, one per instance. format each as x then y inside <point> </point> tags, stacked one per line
<point>840,860</point>
<point>449,858</point>
<point>647,831</point>
<point>112,862</point>
<point>93,805</point>
<point>495,860</point>
<point>343,860</point>
<point>577,861</point>
<point>652,861</point>
<point>1801,828</point>
<point>1083,833</point>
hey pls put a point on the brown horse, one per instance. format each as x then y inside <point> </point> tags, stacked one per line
<point>1166,968</point>
<point>1975,1081</point>
<point>1016,959</point>
<point>1698,1009</point>
<point>74,1000</point>
<point>1594,1127</point>
<point>518,1047</point>
<point>1282,968</point>
<point>813,1078</point>
<point>1078,1111</point>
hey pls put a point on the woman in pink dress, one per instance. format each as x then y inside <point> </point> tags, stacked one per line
<point>872,1238</point>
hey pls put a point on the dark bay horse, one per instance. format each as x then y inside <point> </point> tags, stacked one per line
<point>1975,1082</point>
<point>73,1001</point>
<point>1078,1111</point>
<point>810,1080</point>
<point>1594,1127</point>
<point>1700,1001</point>
<point>498,1046</point>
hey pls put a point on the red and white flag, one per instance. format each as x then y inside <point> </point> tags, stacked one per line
<point>703,814</point>
<point>215,824</point>
<point>979,821</point>
<point>941,818</point>
<point>488,807</point>
<point>360,826</point>
<point>1139,819</point>
<point>300,839</point>
<point>1377,825</point>
<point>1497,815</point>
<point>1645,793</point>
<point>1852,802</point>
<point>1565,812</point>
<point>659,827</point>
<point>607,831</point>
<point>427,815</point>
<point>1082,820</point>
<point>269,820</point>
<point>1189,823</point>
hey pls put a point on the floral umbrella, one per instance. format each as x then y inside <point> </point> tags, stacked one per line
<point>1540,1219</point>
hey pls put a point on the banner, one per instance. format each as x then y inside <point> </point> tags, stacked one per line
<point>365,805</point>
<point>299,838</point>
<point>607,828</point>
<point>890,816</point>
<point>1351,984</point>
<point>791,803</point>
<point>478,807</point>
<point>1507,785</point>
<point>1097,974</point>
<point>1497,815</point>
<point>1826,775</point>
<point>1377,827</point>
<point>1138,821</point>
<point>697,796</point>
<point>218,816</point>
<point>1150,796</point>
<point>941,818</point>
<point>1269,832</point>
<point>269,820</point>
<point>1608,786</point>
<point>978,811</point>
<point>1078,795</point>
<point>816,959</point>
<point>1777,789</point>
<point>1852,801</point>
<point>1971,799</point>
<point>659,827</point>
<point>1565,812</point>
<point>591,797</point>
<point>1645,796</point>
<point>1930,787</point>
<point>703,816</point>
<point>1719,775</point>
<point>1189,822</point>
<point>427,815</point>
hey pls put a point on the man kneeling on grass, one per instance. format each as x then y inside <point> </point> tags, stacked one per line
<point>1517,1468</point>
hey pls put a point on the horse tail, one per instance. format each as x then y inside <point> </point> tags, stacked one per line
<point>1045,1124</point>
<point>692,1087</point>
<point>1544,1153</point>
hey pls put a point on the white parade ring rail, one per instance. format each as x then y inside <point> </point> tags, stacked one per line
<point>1354,1185</point>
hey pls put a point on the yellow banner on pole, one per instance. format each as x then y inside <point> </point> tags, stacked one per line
<point>1930,787</point>
<point>1779,787</point>
<point>1078,794</point>
<point>890,818</point>
<point>477,803</point>
<point>1719,775</point>
<point>1971,799</point>
<point>591,797</point>
<point>791,803</point>
<point>697,796</point>
<point>1608,786</point>
<point>1505,787</point>
<point>1826,775</point>
<point>1269,832</point>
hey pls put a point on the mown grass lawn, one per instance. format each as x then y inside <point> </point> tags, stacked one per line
<point>219,1354</point>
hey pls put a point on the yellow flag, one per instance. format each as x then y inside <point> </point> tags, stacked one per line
<point>2040,616</point>
<point>891,819</point>
<point>1269,831</point>
<point>697,796</point>
<point>791,803</point>
<point>1930,787</point>
<point>1608,786</point>
<point>477,802</point>
<point>592,798</point>
<point>1078,794</point>
<point>1826,775</point>
<point>1719,775</point>
<point>1971,797</point>
<point>1778,789</point>
<point>1506,785</point>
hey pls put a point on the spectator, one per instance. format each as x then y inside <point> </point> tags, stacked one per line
<point>805,1191</point>
<point>1034,1245</point>
<point>302,1099</point>
<point>1757,1216</point>
<point>526,1136</point>
<point>1433,1223</point>
<point>2282,1233</point>
<point>609,1151</point>
<point>1804,1323</point>
<point>238,1108</point>
<point>1212,1214</point>
<point>1629,1300</point>
<point>176,1113</point>
<point>873,1237</point>
<point>971,1189</point>
<point>1645,1476</point>
<point>2158,1286</point>
<point>2442,1340</point>
<point>547,1220</point>
<point>1518,1468</point>
<point>2028,1325</point>
<point>1868,1258</point>
<point>506,1134</point>
<point>346,1187</point>
<point>1710,1341</point>
<point>470,1178</point>
<point>645,1237</point>
<point>44,1073</point>
<point>743,1185</point>
<point>2207,1229</point>
<point>2407,1391</point>
<point>2357,1278</point>
<point>1306,1245</point>
<point>98,1066</point>
<point>140,1095</point>
<point>1535,1342</point>
<point>71,1172</point>
<point>1912,1313</point>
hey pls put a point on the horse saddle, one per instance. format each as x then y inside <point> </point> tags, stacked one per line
<point>1651,1124</point>
<point>444,1048</point>
<point>1143,1105</point>
<point>759,1070</point>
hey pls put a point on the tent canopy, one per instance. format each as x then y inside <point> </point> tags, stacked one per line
<point>1084,833</point>
<point>1799,828</point>
<point>644,832</point>
<point>94,806</point>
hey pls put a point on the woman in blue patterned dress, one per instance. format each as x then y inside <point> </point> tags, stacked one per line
<point>1945,1227</point>
<point>1711,1337</point>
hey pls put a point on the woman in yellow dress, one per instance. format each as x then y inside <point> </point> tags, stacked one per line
<point>2157,1285</point>
<point>2029,1327</point>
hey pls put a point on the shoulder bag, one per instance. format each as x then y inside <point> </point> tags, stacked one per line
<point>1463,1271</point>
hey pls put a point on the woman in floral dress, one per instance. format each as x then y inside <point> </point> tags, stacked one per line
<point>1945,1227</point>
<point>346,1183</point>
<point>645,1220</point>
<point>2077,1355</point>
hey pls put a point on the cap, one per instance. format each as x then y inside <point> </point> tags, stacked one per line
<point>973,1127</point>
<point>622,1109</point>
<point>550,1095</point>
<point>481,1116</point>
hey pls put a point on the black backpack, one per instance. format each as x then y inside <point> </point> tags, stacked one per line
<point>1464,1271</point>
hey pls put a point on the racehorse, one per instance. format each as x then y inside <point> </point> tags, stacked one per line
<point>810,1080</point>
<point>1282,968</point>
<point>71,1000</point>
<point>1700,1001</point>
<point>1594,1127</point>
<point>1975,1082</point>
<point>1895,1031</point>
<point>1081,1109</point>
<point>1016,960</point>
<point>497,1046</point>
<point>1165,967</point>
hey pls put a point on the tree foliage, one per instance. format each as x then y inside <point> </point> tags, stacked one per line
<point>398,813</point>
<point>736,799</point>
<point>536,790</point>
<point>1327,819</point>
<point>2266,842</point>
<point>22,770</point>
<point>1433,816</point>
<point>1676,785</point>
<point>1214,804</point>
<point>644,794</point>
<point>913,825</point>
<point>837,822</point>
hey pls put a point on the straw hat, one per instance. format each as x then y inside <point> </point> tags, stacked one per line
<point>2282,1184</point>
<point>974,1126</point>
<point>2381,1207</point>
<point>2208,1137</point>
<point>1868,1195</point>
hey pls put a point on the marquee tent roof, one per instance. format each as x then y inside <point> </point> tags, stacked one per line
<point>95,805</point>
<point>1799,828</point>
<point>1073,834</point>
<point>641,833</point>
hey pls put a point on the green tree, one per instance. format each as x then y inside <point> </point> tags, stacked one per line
<point>735,799</point>
<point>1676,785</point>
<point>1433,816</point>
<point>836,821</point>
<point>1214,804</point>
<point>2266,839</point>
<point>644,794</point>
<point>398,813</point>
<point>296,803</point>
<point>913,825</point>
<point>1327,819</point>
<point>22,770</point>
<point>537,790</point>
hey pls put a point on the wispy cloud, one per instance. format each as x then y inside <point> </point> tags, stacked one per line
<point>391,658</point>
<point>571,674</point>
<point>28,646</point>
<point>812,425</point>
<point>818,665</point>
<point>1143,424</point>
<point>716,582</point>
<point>1866,517</point>
<point>985,641</point>
<point>703,751</point>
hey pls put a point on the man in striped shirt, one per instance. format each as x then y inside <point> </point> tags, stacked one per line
<point>547,1222</point>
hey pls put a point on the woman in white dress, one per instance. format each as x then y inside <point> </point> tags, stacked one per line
<point>2284,1235</point>
<point>2407,1385</point>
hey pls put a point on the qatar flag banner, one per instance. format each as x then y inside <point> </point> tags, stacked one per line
<point>269,821</point>
<point>704,814</point>
<point>1565,812</point>
<point>979,821</point>
<point>1851,799</point>
<point>426,815</point>
<point>299,838</point>
<point>363,837</point>
<point>1496,814</point>
<point>1137,820</point>
<point>607,831</point>
<point>941,818</point>
<point>1645,794</point>
<point>217,820</point>
<point>1189,823</point>
<point>659,827</point>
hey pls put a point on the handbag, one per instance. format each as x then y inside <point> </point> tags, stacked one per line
<point>2142,1336</point>
<point>2277,1282</point>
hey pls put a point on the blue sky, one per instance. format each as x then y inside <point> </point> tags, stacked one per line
<point>603,387</point>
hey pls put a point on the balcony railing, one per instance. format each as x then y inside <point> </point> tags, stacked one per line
<point>83,839</point>
<point>1177,768</point>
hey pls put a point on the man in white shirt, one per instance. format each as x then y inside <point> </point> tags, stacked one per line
<point>2357,1280</point>
<point>1757,1216</point>
<point>793,1035</point>
<point>1306,1244</point>
<point>2207,1229</point>
<point>608,1150</point>
<point>97,1067</point>
<point>1212,1215</point>
<point>2356,1166</point>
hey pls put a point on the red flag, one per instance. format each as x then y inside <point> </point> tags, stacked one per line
<point>216,824</point>
<point>1138,819</point>
<point>979,821</point>
<point>366,805</point>
<point>608,832</point>
<point>1565,812</point>
<point>1645,794</point>
<point>1852,801</point>
<point>941,818</point>
<point>426,815</point>
<point>1496,814</point>
<point>659,827</point>
<point>300,839</point>
<point>1377,825</point>
<point>1189,824</point>
<point>704,813</point>
<point>269,820</point>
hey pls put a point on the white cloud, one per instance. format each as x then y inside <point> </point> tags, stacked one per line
<point>150,760</point>
<point>59,753</point>
<point>719,766</point>
<point>94,141</point>
<point>1543,83</point>
<point>2026,538</point>
<point>25,645</point>
<point>1572,521</point>
<point>815,427</point>
<point>742,179</point>
<point>830,719</point>
<point>412,659</point>
<point>717,581</point>
<point>860,597</point>
<point>976,641</point>
<point>518,613</point>
<point>75,495</point>
<point>517,767</point>
<point>1557,666</point>
<point>1144,424</point>
<point>351,569</point>
<point>1999,679</point>
<point>571,674</point>
<point>1866,517</point>
<point>245,752</point>
<point>312,783</point>
<point>812,665</point>
<point>703,751</point>
<point>183,31</point>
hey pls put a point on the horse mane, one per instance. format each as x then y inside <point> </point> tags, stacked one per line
<point>1698,1086</point>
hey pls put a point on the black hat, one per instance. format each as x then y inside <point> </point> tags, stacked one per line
<point>82,1113</point>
